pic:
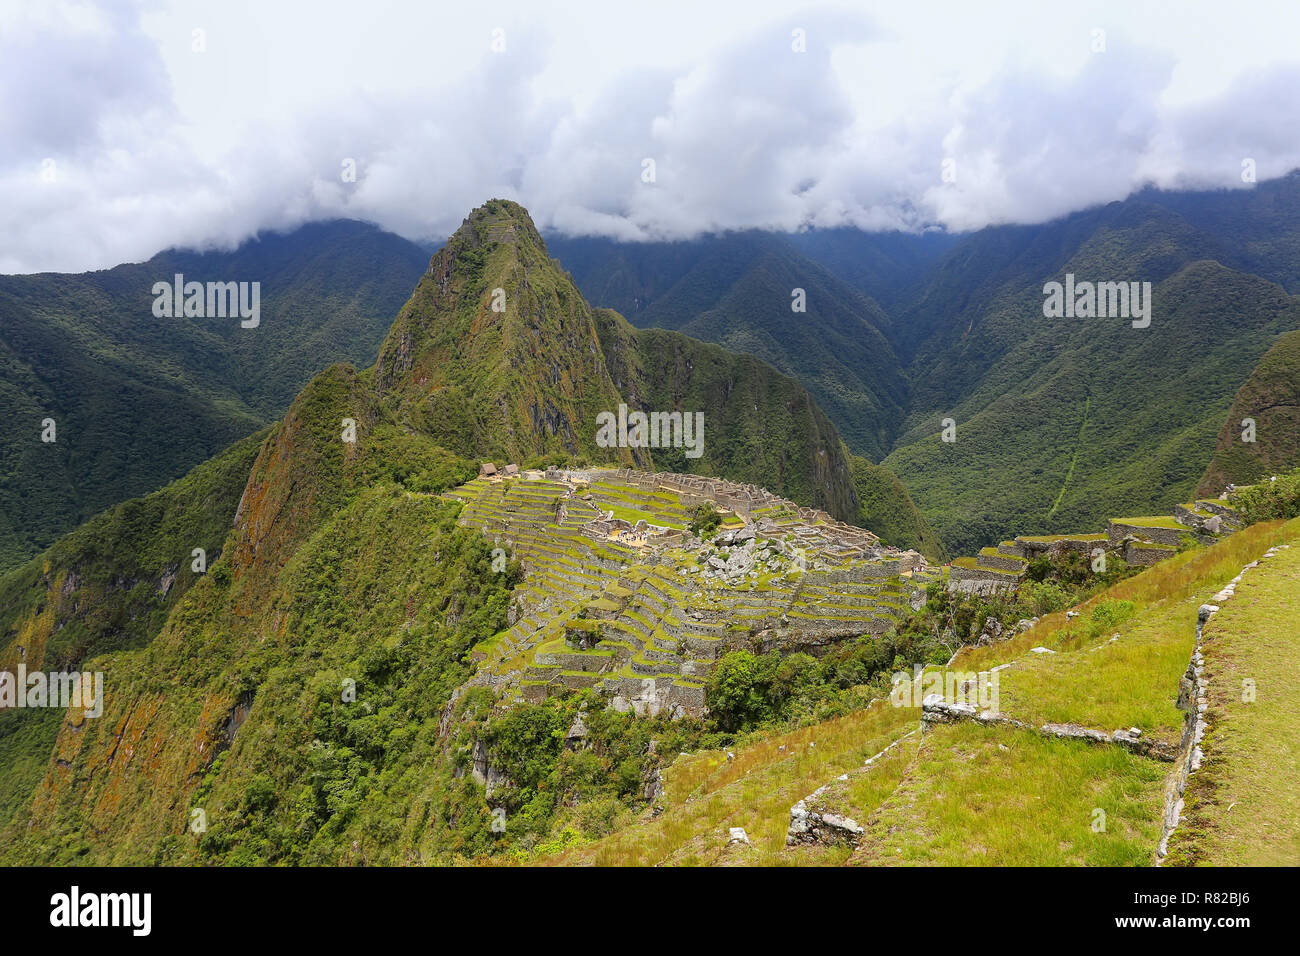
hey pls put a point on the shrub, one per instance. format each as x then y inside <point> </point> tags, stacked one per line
<point>739,690</point>
<point>1111,613</point>
<point>1042,597</point>
<point>1273,498</point>
<point>705,519</point>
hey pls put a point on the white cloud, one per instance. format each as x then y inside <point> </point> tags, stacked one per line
<point>155,145</point>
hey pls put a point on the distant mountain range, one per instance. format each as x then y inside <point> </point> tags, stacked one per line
<point>138,400</point>
<point>330,555</point>
<point>1056,420</point>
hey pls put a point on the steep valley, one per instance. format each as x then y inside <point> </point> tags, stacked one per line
<point>439,620</point>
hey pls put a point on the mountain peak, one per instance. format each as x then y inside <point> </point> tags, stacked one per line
<point>499,220</point>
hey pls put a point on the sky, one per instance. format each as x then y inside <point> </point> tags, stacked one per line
<point>130,127</point>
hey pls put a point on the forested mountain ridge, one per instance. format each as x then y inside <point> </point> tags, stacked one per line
<point>757,293</point>
<point>1059,417</point>
<point>137,399</point>
<point>1261,436</point>
<point>342,563</point>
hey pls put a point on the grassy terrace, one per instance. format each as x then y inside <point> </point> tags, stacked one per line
<point>1104,684</point>
<point>970,564</point>
<point>1214,504</point>
<point>1151,521</point>
<point>998,555</point>
<point>1242,805</point>
<point>999,797</point>
<point>706,794</point>
<point>1053,538</point>
<point>662,519</point>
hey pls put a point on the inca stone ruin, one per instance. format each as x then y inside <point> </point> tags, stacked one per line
<point>620,595</point>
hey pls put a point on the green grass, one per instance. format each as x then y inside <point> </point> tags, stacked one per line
<point>1001,797</point>
<point>1194,575</point>
<point>971,565</point>
<point>1242,805</point>
<point>707,794</point>
<point>1132,682</point>
<point>1152,521</point>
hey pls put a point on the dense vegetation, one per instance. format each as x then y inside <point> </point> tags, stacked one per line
<point>885,507</point>
<point>738,291</point>
<point>107,586</point>
<point>759,426</point>
<point>1277,496</point>
<point>138,400</point>
<point>1261,435</point>
<point>553,791</point>
<point>1114,421</point>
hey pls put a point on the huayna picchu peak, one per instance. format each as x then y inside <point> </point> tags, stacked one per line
<point>498,354</point>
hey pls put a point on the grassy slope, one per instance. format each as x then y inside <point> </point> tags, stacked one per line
<point>1271,396</point>
<point>1242,807</point>
<point>992,797</point>
<point>707,794</point>
<point>966,794</point>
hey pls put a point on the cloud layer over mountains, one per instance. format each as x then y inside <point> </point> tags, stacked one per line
<point>120,136</point>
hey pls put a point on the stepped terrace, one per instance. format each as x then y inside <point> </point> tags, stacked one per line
<point>620,595</point>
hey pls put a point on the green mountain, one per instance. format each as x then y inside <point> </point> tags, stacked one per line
<point>761,427</point>
<point>293,703</point>
<point>138,400</point>
<point>496,352</point>
<point>1255,228</point>
<point>738,291</point>
<point>889,267</point>
<point>1270,399</point>
<point>885,507</point>
<point>1058,420</point>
